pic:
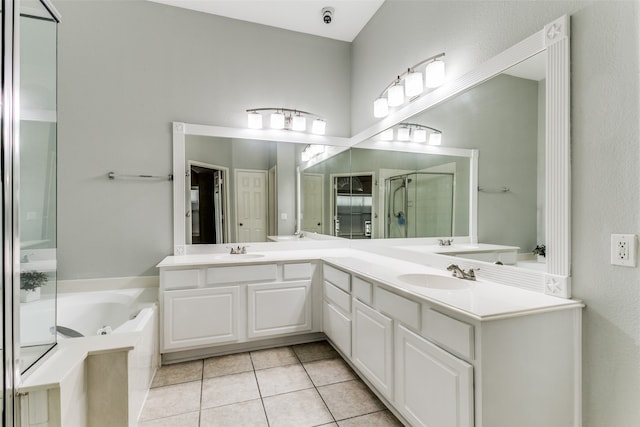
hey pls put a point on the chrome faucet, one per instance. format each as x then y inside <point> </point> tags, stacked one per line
<point>239,250</point>
<point>445,242</point>
<point>461,274</point>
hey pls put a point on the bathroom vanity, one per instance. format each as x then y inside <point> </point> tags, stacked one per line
<point>502,351</point>
<point>439,351</point>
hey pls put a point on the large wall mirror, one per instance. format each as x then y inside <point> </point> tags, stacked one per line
<point>501,175</point>
<point>236,185</point>
<point>502,120</point>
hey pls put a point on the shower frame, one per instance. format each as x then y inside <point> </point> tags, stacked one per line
<point>392,211</point>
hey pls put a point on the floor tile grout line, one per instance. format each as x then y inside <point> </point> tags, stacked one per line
<point>316,388</point>
<point>201,394</point>
<point>264,409</point>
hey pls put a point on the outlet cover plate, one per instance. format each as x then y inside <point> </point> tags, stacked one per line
<point>623,250</point>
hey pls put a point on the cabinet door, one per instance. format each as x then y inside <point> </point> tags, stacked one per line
<point>337,327</point>
<point>372,346</point>
<point>197,317</point>
<point>279,308</point>
<point>433,387</point>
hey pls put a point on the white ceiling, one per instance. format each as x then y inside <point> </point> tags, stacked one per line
<point>304,16</point>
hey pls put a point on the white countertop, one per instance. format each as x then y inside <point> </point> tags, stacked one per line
<point>459,248</point>
<point>482,300</point>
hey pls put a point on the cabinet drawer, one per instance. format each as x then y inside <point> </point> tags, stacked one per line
<point>297,271</point>
<point>180,279</point>
<point>237,274</point>
<point>362,290</point>
<point>337,296</point>
<point>337,327</point>
<point>337,277</point>
<point>400,308</point>
<point>448,332</point>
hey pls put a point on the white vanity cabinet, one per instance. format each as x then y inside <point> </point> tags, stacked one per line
<point>440,367</point>
<point>373,347</point>
<point>336,308</point>
<point>199,317</point>
<point>211,305</point>
<point>433,387</point>
<point>278,308</point>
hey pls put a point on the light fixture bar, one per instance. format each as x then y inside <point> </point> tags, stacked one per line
<point>285,118</point>
<point>415,132</point>
<point>413,84</point>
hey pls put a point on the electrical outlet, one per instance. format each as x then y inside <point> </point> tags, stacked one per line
<point>623,250</point>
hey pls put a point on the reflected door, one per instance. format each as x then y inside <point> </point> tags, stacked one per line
<point>251,206</point>
<point>313,202</point>
<point>207,204</point>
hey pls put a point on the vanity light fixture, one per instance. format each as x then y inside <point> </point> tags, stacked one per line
<point>413,132</point>
<point>287,119</point>
<point>299,123</point>
<point>413,85</point>
<point>255,120</point>
<point>435,138</point>
<point>403,133</point>
<point>277,120</point>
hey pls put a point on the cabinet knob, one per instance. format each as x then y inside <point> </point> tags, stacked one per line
<point>240,224</point>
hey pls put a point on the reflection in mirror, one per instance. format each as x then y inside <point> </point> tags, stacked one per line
<point>389,194</point>
<point>319,198</point>
<point>504,119</point>
<point>239,190</point>
<point>37,166</point>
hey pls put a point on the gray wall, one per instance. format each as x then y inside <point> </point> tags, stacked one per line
<point>605,151</point>
<point>127,69</point>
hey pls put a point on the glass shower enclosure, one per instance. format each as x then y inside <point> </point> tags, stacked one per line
<point>419,204</point>
<point>29,171</point>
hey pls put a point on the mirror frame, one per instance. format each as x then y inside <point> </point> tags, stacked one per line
<point>554,38</point>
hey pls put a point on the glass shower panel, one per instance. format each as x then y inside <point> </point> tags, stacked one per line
<point>431,205</point>
<point>420,204</point>
<point>36,156</point>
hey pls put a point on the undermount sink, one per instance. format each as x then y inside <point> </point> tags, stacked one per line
<point>238,256</point>
<point>433,281</point>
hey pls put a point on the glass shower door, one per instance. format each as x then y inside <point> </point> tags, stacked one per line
<point>35,166</point>
<point>396,207</point>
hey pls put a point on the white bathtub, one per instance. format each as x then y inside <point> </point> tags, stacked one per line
<point>101,312</point>
<point>89,313</point>
<point>122,361</point>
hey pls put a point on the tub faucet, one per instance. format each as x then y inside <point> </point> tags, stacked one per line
<point>461,274</point>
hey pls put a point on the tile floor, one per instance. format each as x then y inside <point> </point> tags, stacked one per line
<point>297,386</point>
